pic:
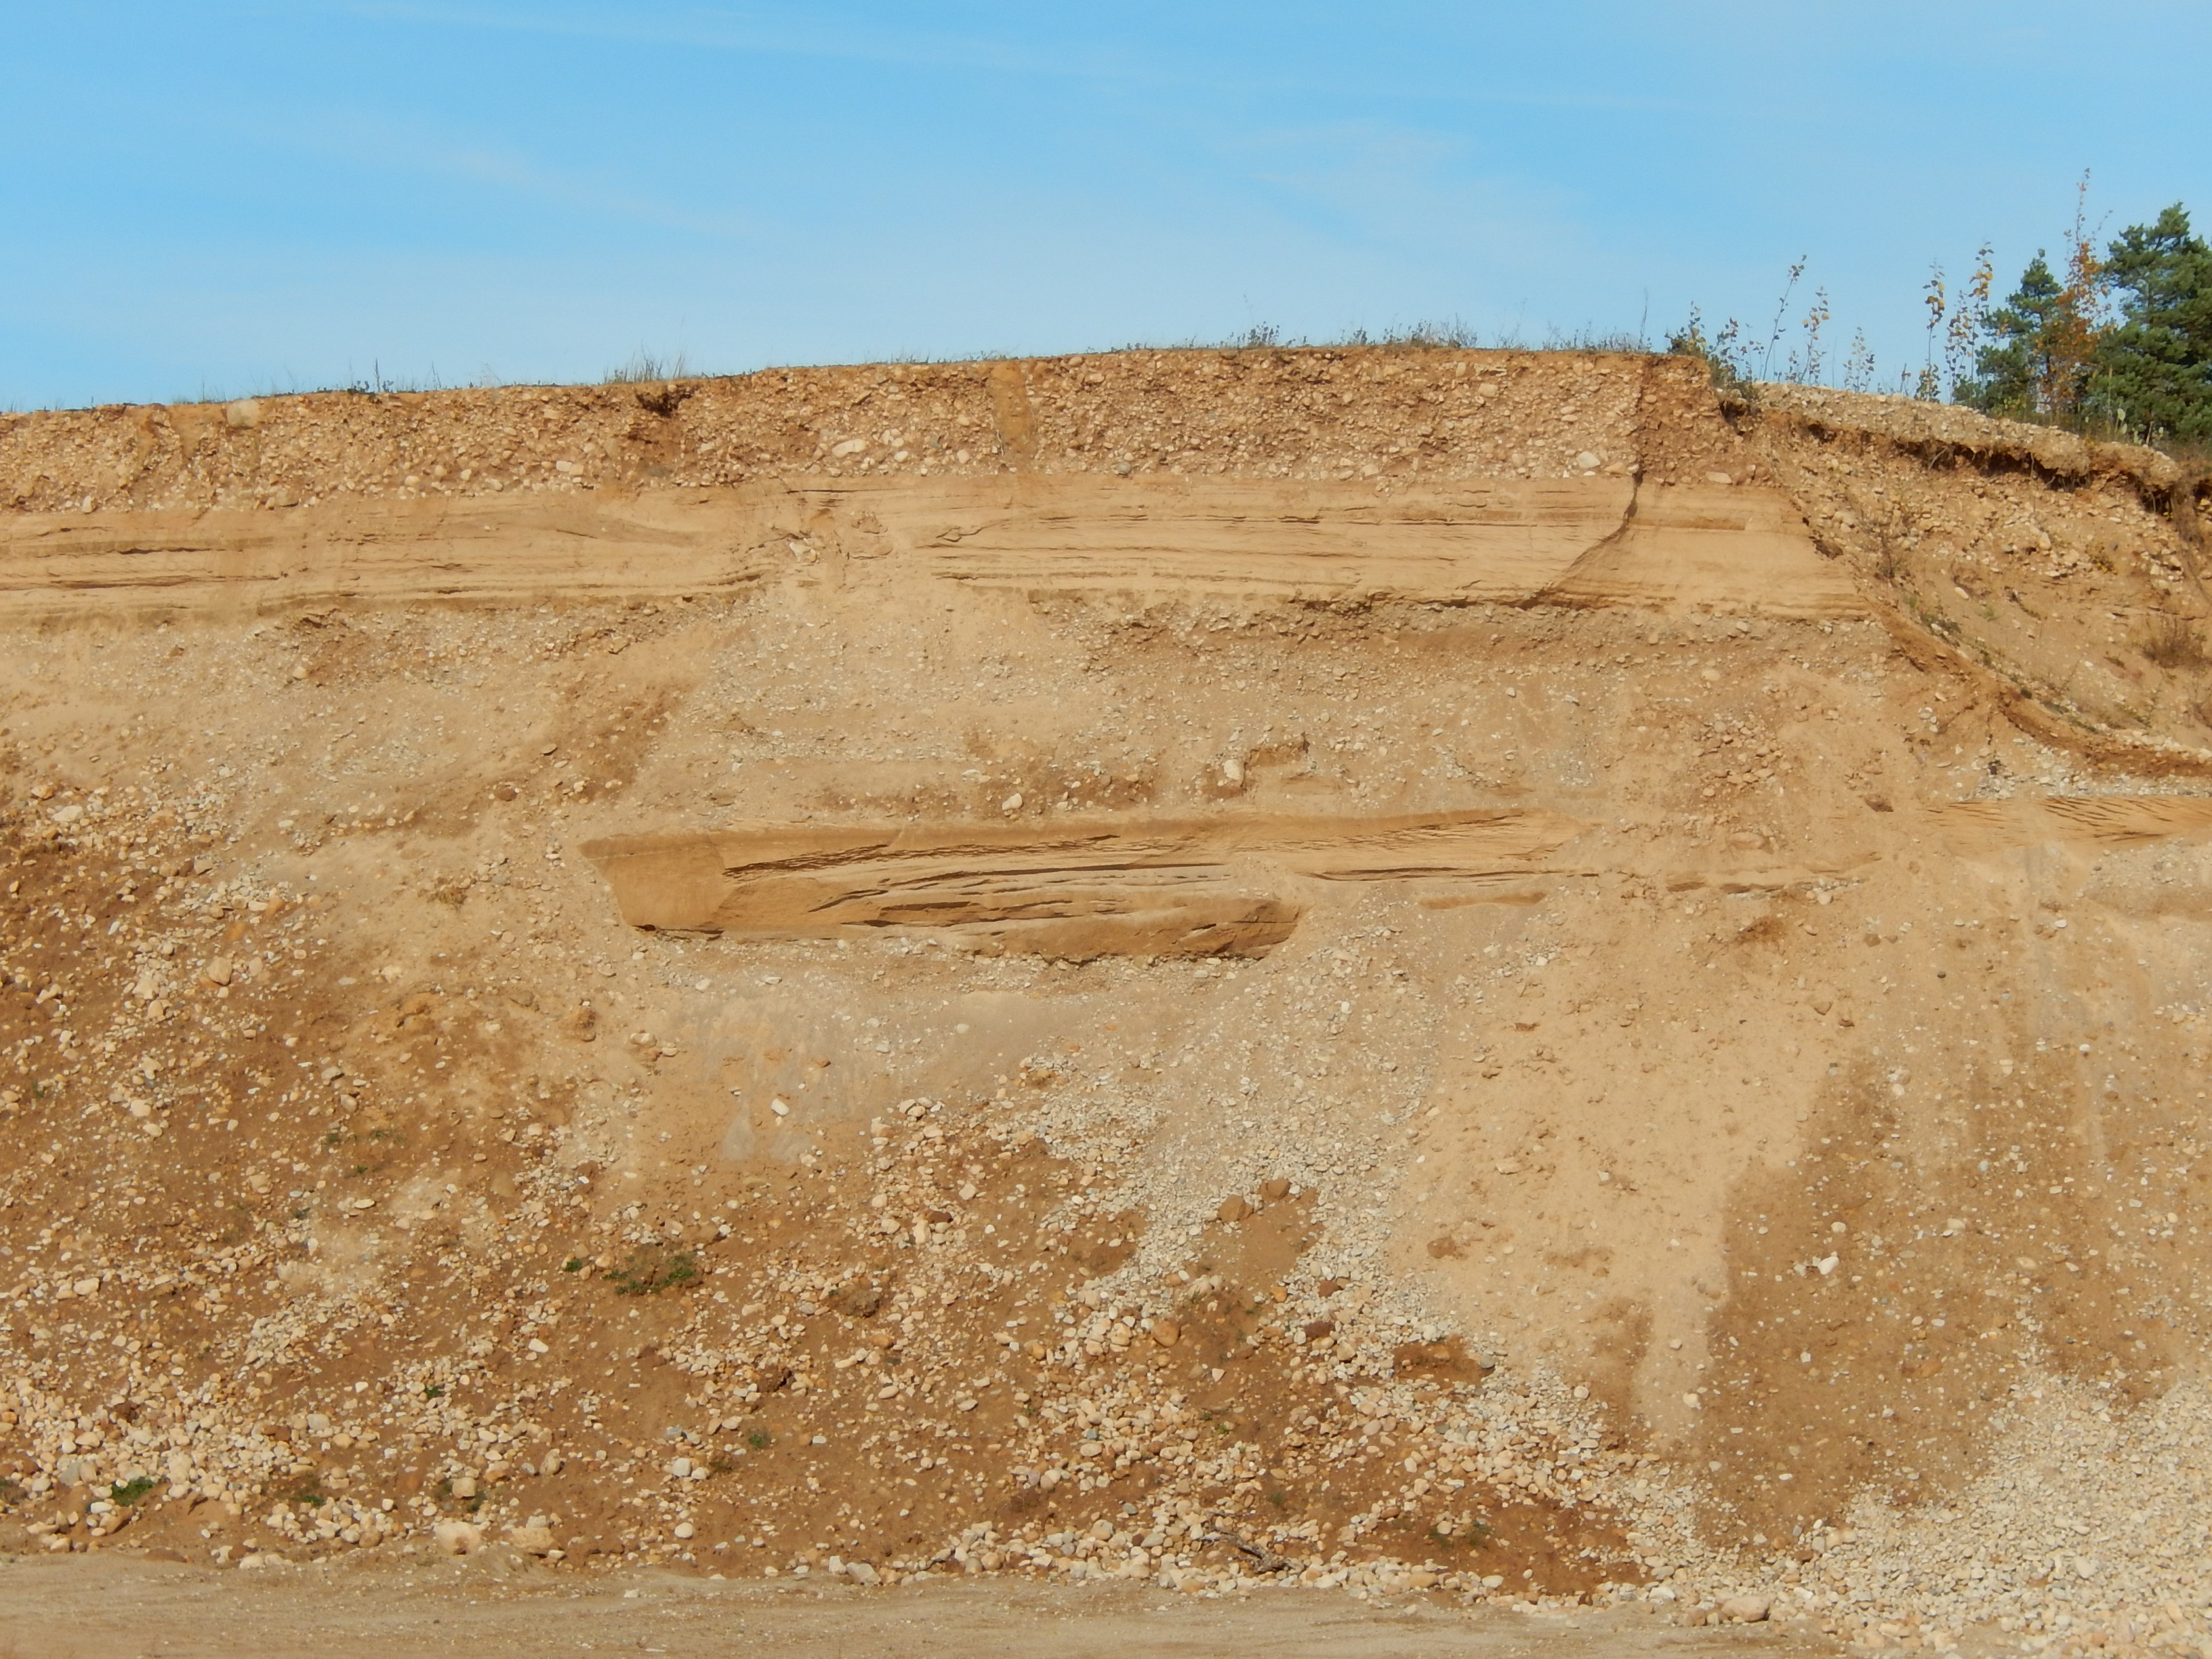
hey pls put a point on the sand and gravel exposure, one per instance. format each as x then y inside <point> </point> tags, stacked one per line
<point>1464,979</point>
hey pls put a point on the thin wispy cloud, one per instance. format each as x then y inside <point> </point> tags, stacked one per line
<point>1410,188</point>
<point>871,41</point>
<point>418,151</point>
<point>739,32</point>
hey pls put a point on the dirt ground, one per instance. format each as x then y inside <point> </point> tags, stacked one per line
<point>1458,975</point>
<point>111,1609</point>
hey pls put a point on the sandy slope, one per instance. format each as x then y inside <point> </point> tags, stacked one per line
<point>1455,971</point>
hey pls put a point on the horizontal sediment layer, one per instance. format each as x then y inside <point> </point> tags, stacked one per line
<point>1582,541</point>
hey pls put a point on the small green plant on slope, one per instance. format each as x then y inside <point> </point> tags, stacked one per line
<point>647,1272</point>
<point>1721,352</point>
<point>645,366</point>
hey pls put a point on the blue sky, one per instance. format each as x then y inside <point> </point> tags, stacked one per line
<point>216,198</point>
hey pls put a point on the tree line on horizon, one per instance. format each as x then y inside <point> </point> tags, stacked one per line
<point>2116,340</point>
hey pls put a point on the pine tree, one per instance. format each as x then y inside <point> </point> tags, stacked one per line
<point>2017,362</point>
<point>2044,345</point>
<point>2155,370</point>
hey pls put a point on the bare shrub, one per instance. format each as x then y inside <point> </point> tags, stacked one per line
<point>2172,642</point>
